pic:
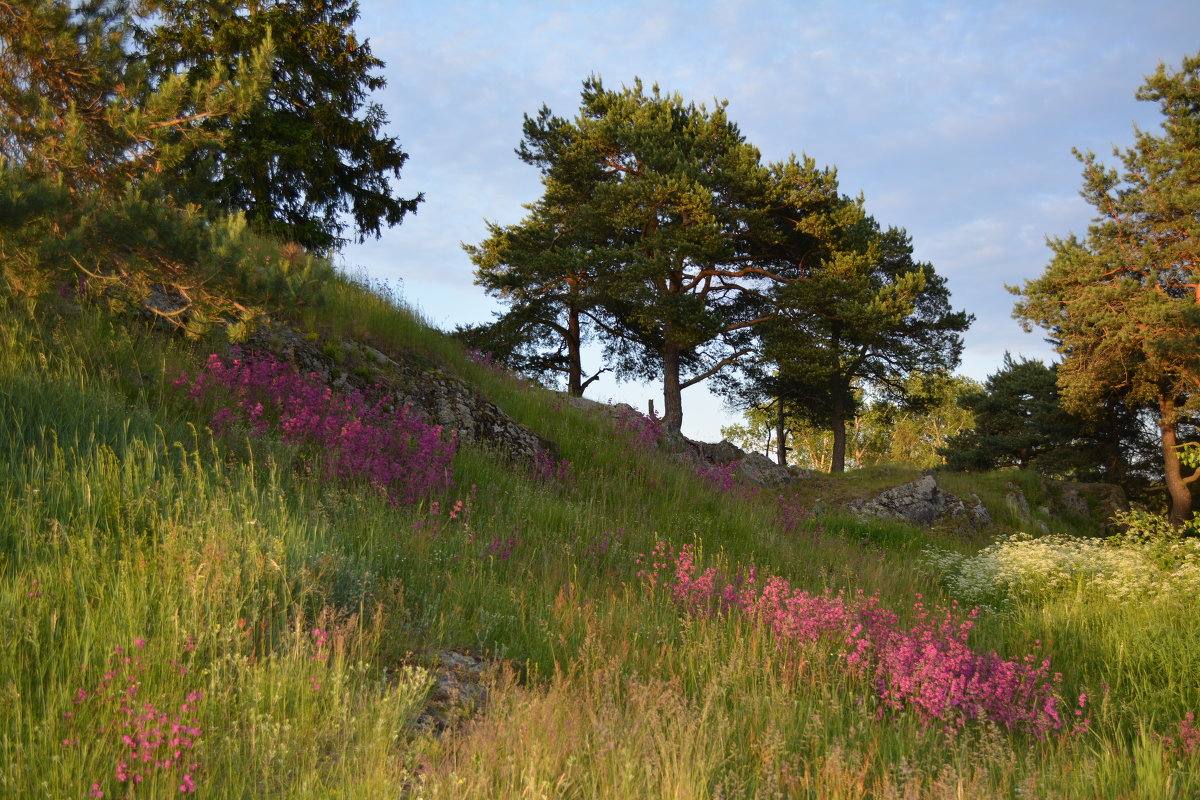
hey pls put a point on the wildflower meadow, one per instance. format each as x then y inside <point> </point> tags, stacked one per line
<point>225,579</point>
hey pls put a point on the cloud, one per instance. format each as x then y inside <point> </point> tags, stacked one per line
<point>956,119</point>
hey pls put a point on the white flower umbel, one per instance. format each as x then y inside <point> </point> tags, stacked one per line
<point>1019,566</point>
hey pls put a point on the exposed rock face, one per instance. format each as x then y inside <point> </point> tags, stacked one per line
<point>722,453</point>
<point>443,399</point>
<point>752,468</point>
<point>1017,502</point>
<point>758,469</point>
<point>920,502</point>
<point>980,517</point>
<point>1108,498</point>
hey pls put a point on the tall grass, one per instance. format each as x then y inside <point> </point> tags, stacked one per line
<point>296,618</point>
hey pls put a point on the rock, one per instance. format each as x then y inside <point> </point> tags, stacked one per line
<point>443,399</point>
<point>724,452</point>
<point>458,692</point>
<point>978,513</point>
<point>673,442</point>
<point>920,502</point>
<point>166,306</point>
<point>688,457</point>
<point>1106,499</point>
<point>758,469</point>
<point>1017,503</point>
<point>587,404</point>
<point>800,473</point>
<point>1072,501</point>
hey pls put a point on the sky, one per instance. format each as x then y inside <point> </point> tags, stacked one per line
<point>955,120</point>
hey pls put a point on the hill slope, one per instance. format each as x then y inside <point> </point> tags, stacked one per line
<point>225,614</point>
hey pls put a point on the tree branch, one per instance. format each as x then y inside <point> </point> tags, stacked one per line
<point>715,368</point>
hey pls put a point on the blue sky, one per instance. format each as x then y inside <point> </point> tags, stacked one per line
<point>955,120</point>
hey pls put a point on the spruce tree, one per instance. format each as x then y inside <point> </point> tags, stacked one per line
<point>314,151</point>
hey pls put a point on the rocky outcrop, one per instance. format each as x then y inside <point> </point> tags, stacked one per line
<point>721,453</point>
<point>459,690</point>
<point>1089,499</point>
<point>442,398</point>
<point>758,469</point>
<point>1017,503</point>
<point>921,502</point>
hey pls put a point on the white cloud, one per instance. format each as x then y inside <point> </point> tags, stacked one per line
<point>955,118</point>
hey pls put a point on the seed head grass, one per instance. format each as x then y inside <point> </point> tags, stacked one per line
<point>281,612</point>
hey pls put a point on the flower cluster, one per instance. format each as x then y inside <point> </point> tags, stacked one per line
<point>791,516</point>
<point>600,547</point>
<point>351,437</point>
<point>151,740</point>
<point>502,549</point>
<point>1186,740</point>
<point>546,469</point>
<point>719,476</point>
<point>644,431</point>
<point>1020,566</point>
<point>926,667</point>
<point>487,361</point>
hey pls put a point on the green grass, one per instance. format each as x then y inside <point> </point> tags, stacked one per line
<point>125,520</point>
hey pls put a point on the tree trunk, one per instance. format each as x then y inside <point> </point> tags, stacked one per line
<point>780,435</point>
<point>1177,488</point>
<point>837,420</point>
<point>672,393</point>
<point>574,359</point>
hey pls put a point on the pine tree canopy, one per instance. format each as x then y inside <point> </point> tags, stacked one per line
<point>1122,304</point>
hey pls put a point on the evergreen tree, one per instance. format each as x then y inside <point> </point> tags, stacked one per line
<point>866,317</point>
<point>546,268</point>
<point>85,139</point>
<point>672,227</point>
<point>76,108</point>
<point>1020,422</point>
<point>1123,304</point>
<point>315,148</point>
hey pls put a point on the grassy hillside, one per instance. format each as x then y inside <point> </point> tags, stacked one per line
<point>205,612</point>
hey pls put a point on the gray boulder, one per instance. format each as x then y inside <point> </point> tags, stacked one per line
<point>758,469</point>
<point>721,453</point>
<point>921,502</point>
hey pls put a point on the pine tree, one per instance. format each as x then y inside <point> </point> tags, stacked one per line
<point>866,316</point>
<point>77,108</point>
<point>1122,304</point>
<point>670,227</point>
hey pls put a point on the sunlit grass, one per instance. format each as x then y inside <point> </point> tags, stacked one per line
<point>306,612</point>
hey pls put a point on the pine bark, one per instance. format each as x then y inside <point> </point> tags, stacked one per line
<point>672,393</point>
<point>574,358</point>
<point>1177,488</point>
<point>780,435</point>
